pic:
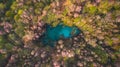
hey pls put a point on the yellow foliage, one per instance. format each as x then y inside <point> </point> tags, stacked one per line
<point>13,7</point>
<point>67,21</point>
<point>2,6</point>
<point>16,17</point>
<point>20,12</point>
<point>67,3</point>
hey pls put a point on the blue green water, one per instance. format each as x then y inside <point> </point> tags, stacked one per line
<point>61,31</point>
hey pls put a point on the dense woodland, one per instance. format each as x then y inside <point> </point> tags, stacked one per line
<point>23,22</point>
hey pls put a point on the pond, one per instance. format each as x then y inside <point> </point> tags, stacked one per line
<point>61,31</point>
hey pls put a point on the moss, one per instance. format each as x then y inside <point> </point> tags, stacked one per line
<point>105,7</point>
<point>90,64</point>
<point>38,11</point>
<point>2,59</point>
<point>87,28</point>
<point>67,20</point>
<point>109,41</point>
<point>2,41</point>
<point>92,9</point>
<point>11,36</point>
<point>2,6</point>
<point>13,6</point>
<point>46,2</point>
<point>35,19</point>
<point>20,29</point>
<point>78,19</point>
<point>70,62</point>
<point>24,52</point>
<point>10,14</point>
<point>55,23</point>
<point>9,46</point>
<point>39,5</point>
<point>89,8</point>
<point>4,44</point>
<point>102,54</point>
<point>116,6</point>
<point>47,8</point>
<point>77,51</point>
<point>65,12</point>
<point>16,18</point>
<point>50,17</point>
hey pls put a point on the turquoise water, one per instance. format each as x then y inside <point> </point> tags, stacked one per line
<point>61,31</point>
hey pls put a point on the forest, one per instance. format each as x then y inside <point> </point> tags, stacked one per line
<point>59,33</point>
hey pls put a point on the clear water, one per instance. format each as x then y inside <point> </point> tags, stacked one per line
<point>61,31</point>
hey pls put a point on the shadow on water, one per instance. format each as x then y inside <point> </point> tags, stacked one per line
<point>61,31</point>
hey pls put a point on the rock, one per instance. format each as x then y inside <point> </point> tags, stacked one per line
<point>84,63</point>
<point>63,54</point>
<point>100,37</point>
<point>37,65</point>
<point>92,52</point>
<point>32,52</point>
<point>54,10</point>
<point>58,47</point>
<point>12,59</point>
<point>115,31</point>
<point>95,55</point>
<point>80,57</point>
<point>99,59</point>
<point>43,55</point>
<point>71,8</point>
<point>3,51</point>
<point>57,3</point>
<point>115,40</point>
<point>78,9</point>
<point>71,54</point>
<point>117,64</point>
<point>58,50</point>
<point>76,15</point>
<point>75,38</point>
<point>83,45</point>
<point>53,5</point>
<point>74,42</point>
<point>61,46</point>
<point>94,65</point>
<point>98,31</point>
<point>60,42</point>
<point>44,12</point>
<point>80,64</point>
<point>91,59</point>
<point>36,54</point>
<point>118,18</point>
<point>56,64</point>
